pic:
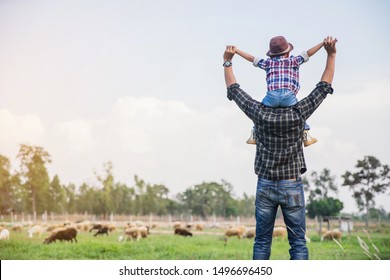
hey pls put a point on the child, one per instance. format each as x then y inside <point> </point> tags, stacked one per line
<point>282,78</point>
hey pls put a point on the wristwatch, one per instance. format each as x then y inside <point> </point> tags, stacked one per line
<point>227,63</point>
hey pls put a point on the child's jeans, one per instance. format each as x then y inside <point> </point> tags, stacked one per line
<point>281,98</point>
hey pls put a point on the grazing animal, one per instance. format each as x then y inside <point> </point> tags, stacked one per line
<point>177,225</point>
<point>83,225</point>
<point>250,233</point>
<point>36,230</point>
<point>4,234</point>
<point>102,230</point>
<point>235,231</point>
<point>182,232</point>
<point>332,234</point>
<point>132,233</point>
<point>67,234</point>
<point>199,227</point>
<point>144,231</point>
<point>95,226</point>
<point>279,232</point>
<point>17,228</point>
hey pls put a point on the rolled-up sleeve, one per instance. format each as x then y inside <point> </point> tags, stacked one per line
<point>305,56</point>
<point>256,61</point>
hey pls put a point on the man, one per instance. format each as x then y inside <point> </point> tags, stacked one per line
<point>279,160</point>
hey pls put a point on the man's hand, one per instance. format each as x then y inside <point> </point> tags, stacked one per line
<point>229,53</point>
<point>330,45</point>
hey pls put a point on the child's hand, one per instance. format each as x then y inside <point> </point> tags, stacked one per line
<point>229,53</point>
<point>330,44</point>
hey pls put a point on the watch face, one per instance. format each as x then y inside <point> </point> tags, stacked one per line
<point>227,63</point>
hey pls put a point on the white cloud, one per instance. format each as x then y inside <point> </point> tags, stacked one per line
<point>76,134</point>
<point>19,129</point>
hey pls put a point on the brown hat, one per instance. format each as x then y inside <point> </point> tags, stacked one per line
<point>278,46</point>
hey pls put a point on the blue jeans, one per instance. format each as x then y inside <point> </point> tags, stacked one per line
<point>281,98</point>
<point>289,195</point>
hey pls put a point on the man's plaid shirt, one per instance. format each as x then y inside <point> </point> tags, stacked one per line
<point>279,131</point>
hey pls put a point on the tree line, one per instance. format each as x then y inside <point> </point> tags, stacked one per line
<point>29,189</point>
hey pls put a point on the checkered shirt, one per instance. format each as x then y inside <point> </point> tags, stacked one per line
<point>279,131</point>
<point>281,72</point>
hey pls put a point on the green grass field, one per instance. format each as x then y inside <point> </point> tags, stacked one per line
<point>202,246</point>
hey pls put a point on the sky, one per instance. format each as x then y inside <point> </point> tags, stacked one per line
<point>140,84</point>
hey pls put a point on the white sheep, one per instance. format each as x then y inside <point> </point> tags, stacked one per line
<point>36,230</point>
<point>4,234</point>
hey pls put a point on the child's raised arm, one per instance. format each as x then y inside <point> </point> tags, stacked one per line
<point>245,55</point>
<point>315,49</point>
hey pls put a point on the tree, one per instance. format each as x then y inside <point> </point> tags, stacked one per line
<point>141,187</point>
<point>124,198</point>
<point>56,196</point>
<point>324,207</point>
<point>208,198</point>
<point>70,198</point>
<point>5,185</point>
<point>86,199</point>
<point>34,175</point>
<point>322,184</point>
<point>370,179</point>
<point>319,203</point>
<point>246,205</point>
<point>105,195</point>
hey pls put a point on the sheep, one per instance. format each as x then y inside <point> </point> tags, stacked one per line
<point>96,226</point>
<point>235,231</point>
<point>279,232</point>
<point>176,225</point>
<point>83,225</point>
<point>54,226</point>
<point>139,223</point>
<point>68,234</point>
<point>17,228</point>
<point>154,225</point>
<point>332,234</point>
<point>4,234</point>
<point>182,232</point>
<point>199,227</point>
<point>102,230</point>
<point>132,233</point>
<point>250,233</point>
<point>144,231</point>
<point>35,230</point>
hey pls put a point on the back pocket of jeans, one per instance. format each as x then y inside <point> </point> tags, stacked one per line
<point>294,198</point>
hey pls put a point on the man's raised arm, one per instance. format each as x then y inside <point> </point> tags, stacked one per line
<point>227,59</point>
<point>330,47</point>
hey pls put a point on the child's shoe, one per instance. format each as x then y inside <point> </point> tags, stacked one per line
<point>307,139</point>
<point>251,139</point>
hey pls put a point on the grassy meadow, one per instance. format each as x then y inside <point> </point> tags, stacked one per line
<point>209,244</point>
